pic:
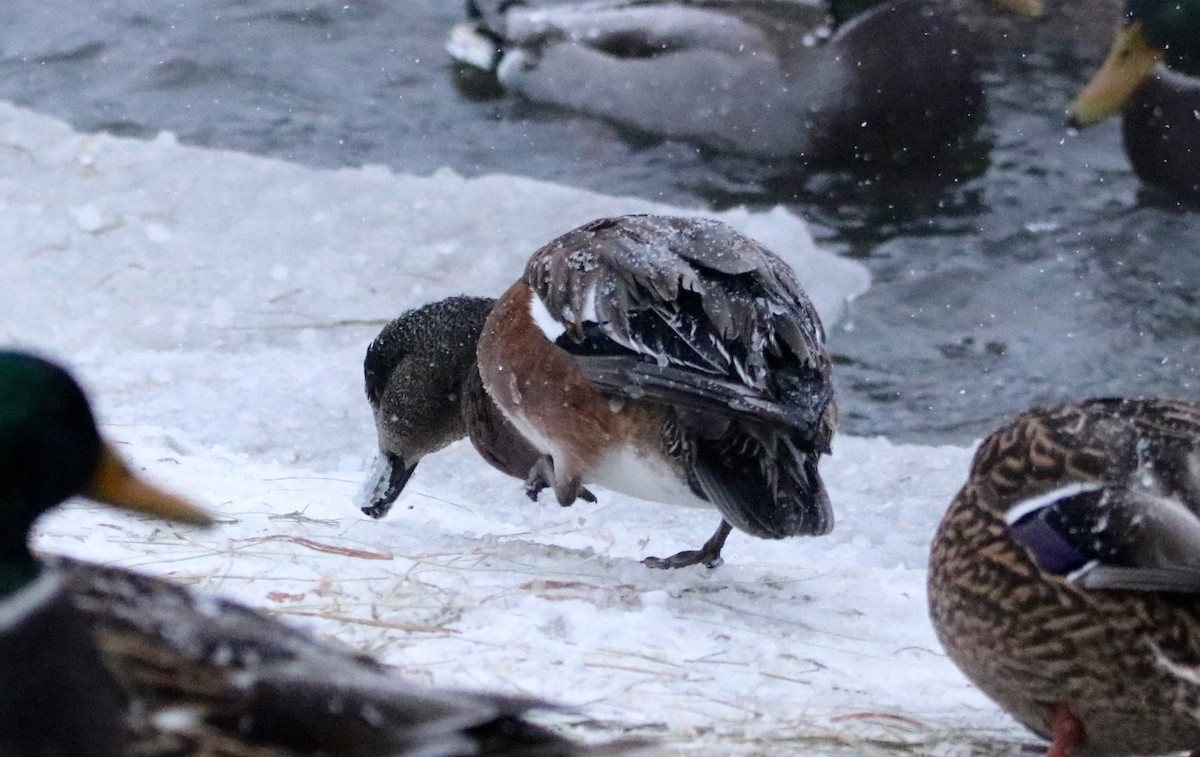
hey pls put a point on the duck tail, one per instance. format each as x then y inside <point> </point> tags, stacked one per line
<point>764,481</point>
<point>800,489</point>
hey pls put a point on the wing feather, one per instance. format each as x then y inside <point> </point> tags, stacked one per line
<point>677,288</point>
<point>234,680</point>
<point>1132,518</point>
<point>690,314</point>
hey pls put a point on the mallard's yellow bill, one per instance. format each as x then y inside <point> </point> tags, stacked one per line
<point>1031,8</point>
<point>1129,62</point>
<point>116,485</point>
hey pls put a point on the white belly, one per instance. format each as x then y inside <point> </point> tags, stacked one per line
<point>626,470</point>
<point>645,476</point>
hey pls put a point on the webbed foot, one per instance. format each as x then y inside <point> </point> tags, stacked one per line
<point>684,559</point>
<point>709,555</point>
<point>541,476</point>
<point>1067,731</point>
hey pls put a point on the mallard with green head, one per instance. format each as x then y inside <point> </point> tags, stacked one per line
<point>98,661</point>
<point>893,83</point>
<point>1152,75</point>
<point>1064,579</point>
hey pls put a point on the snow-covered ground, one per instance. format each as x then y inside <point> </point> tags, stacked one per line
<point>217,307</point>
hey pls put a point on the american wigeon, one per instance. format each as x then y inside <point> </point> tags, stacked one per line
<point>1064,578</point>
<point>670,359</point>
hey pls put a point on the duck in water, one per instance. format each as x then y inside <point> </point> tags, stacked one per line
<point>1152,76</point>
<point>893,83</point>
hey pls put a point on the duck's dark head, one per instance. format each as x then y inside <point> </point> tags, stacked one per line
<point>414,373</point>
<point>1152,31</point>
<point>51,450</point>
<point>1172,26</point>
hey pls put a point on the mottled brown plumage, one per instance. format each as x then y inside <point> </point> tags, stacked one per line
<point>1064,578</point>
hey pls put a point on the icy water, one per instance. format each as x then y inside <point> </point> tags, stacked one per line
<point>1047,274</point>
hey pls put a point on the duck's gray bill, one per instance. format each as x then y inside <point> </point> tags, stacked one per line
<point>385,480</point>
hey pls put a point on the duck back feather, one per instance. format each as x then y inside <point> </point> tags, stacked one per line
<point>209,674</point>
<point>690,315</point>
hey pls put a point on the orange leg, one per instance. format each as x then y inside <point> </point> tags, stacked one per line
<point>1066,731</point>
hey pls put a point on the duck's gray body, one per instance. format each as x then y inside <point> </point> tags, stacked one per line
<point>751,77</point>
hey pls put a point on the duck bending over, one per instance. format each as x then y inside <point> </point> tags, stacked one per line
<point>897,82</point>
<point>1152,76</point>
<point>670,359</point>
<point>1065,578</point>
<point>99,661</point>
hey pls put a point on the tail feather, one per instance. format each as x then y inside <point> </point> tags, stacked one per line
<point>767,485</point>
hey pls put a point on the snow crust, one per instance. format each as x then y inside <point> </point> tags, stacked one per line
<point>218,305</point>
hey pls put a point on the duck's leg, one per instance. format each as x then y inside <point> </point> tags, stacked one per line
<point>1066,731</point>
<point>709,555</point>
<point>541,476</point>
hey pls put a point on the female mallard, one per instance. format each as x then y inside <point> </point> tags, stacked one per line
<point>1063,580</point>
<point>97,661</point>
<point>896,82</point>
<point>1153,74</point>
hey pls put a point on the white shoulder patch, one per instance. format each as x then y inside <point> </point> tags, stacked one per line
<point>549,325</point>
<point>589,305</point>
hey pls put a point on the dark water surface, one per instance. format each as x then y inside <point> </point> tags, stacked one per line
<point>1050,274</point>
